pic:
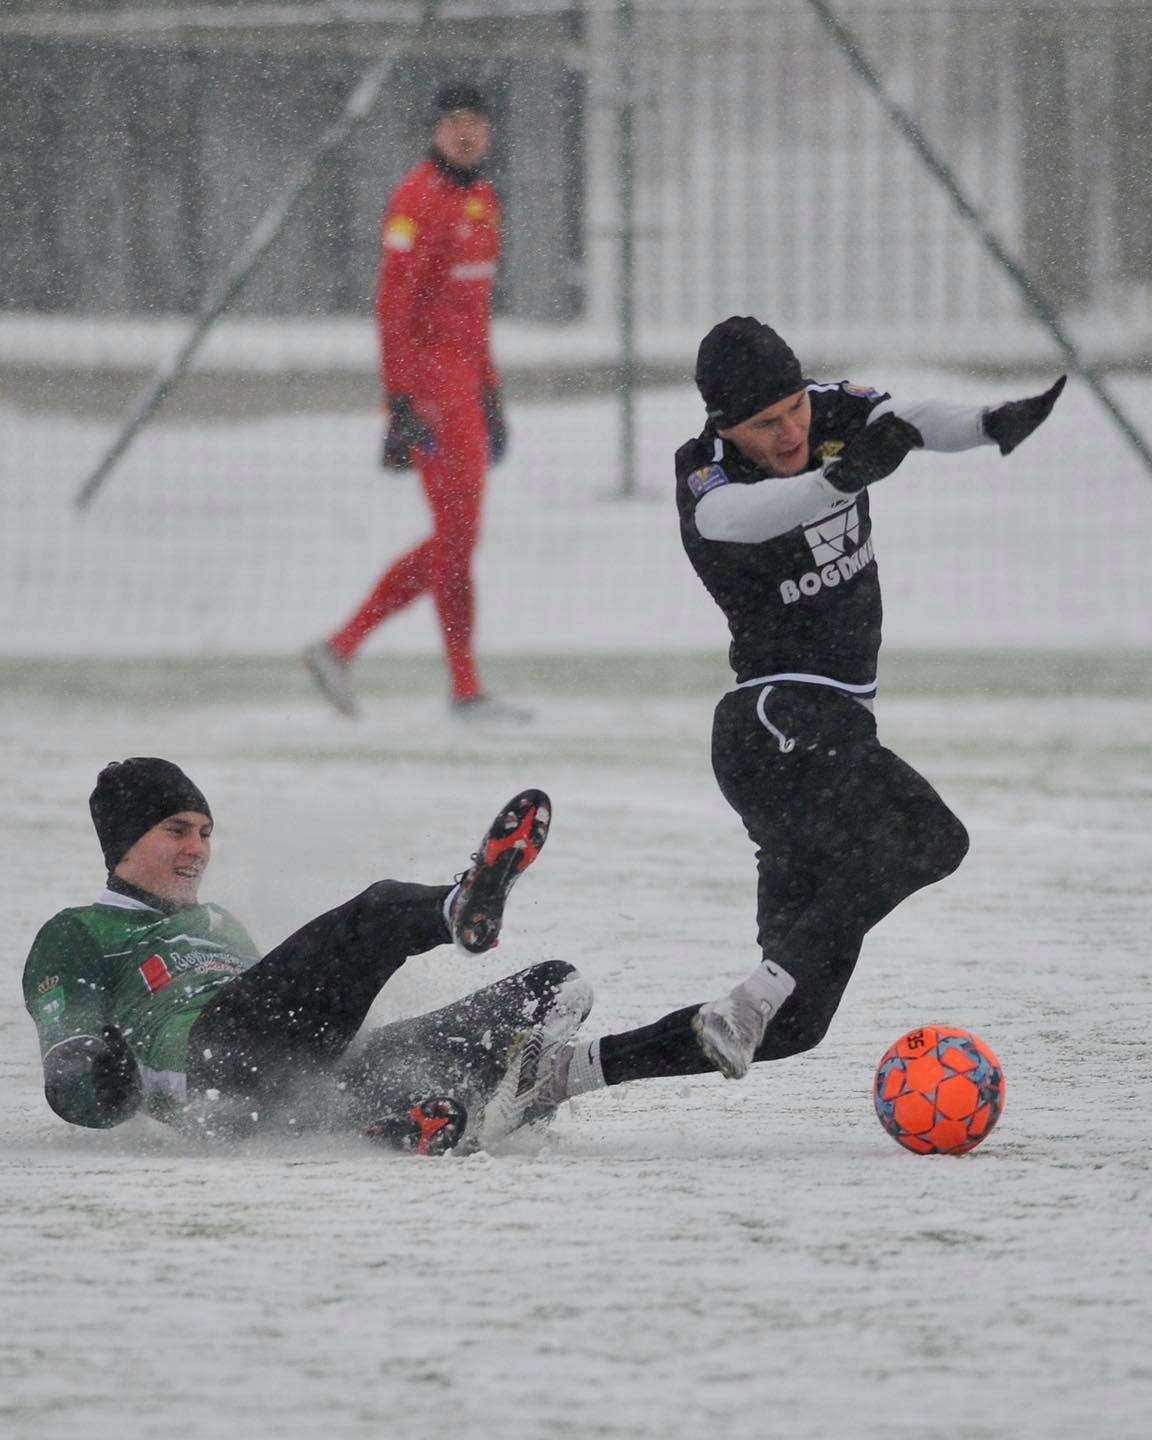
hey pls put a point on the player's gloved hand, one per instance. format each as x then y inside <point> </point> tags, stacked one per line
<point>874,453</point>
<point>115,1078</point>
<point>496,422</point>
<point>406,432</point>
<point>1010,423</point>
<point>92,1082</point>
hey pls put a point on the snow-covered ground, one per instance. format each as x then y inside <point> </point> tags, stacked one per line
<point>677,1259</point>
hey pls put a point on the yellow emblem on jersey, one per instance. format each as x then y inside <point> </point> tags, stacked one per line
<point>400,233</point>
<point>476,208</point>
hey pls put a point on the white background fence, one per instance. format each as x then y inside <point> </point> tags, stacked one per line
<point>765,179</point>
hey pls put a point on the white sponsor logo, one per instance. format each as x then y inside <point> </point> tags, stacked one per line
<point>478,270</point>
<point>829,540</point>
<point>830,537</point>
<point>204,961</point>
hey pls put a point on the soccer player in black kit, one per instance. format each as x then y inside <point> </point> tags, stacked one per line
<point>773,502</point>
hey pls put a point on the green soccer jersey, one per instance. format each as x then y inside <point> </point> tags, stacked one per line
<point>150,974</point>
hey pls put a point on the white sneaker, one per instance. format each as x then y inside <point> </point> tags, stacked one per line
<point>531,1060</point>
<point>484,710</point>
<point>729,1031</point>
<point>330,671</point>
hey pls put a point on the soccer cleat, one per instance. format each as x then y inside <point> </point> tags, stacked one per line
<point>329,669</point>
<point>513,841</point>
<point>729,1031</point>
<point>483,709</point>
<point>524,1094</point>
<point>552,1090</point>
<point>430,1127</point>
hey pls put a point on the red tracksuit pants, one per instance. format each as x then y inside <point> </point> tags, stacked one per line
<point>453,481</point>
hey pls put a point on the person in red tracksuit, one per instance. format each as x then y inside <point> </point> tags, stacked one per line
<point>440,247</point>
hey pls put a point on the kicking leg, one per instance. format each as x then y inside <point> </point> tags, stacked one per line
<point>841,841</point>
<point>473,1070</point>
<point>297,1010</point>
<point>845,830</point>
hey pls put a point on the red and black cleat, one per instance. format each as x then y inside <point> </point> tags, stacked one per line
<point>429,1127</point>
<point>513,841</point>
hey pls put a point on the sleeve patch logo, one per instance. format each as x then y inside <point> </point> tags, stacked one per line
<point>400,233</point>
<point>477,210</point>
<point>51,1004</point>
<point>701,481</point>
<point>865,392</point>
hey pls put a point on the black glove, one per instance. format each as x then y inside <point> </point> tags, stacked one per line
<point>874,453</point>
<point>92,1082</point>
<point>496,423</point>
<point>1009,424</point>
<point>406,432</point>
<point>115,1078</point>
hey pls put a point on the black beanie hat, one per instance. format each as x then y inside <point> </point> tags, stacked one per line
<point>460,96</point>
<point>133,795</point>
<point>742,367</point>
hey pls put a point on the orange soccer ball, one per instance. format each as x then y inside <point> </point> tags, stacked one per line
<point>939,1090</point>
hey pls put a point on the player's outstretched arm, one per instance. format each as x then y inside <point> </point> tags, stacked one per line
<point>748,514</point>
<point>1015,420</point>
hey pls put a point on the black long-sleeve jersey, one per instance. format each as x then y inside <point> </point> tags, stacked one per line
<point>806,603</point>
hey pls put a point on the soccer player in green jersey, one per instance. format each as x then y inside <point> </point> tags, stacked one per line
<point>150,1000</point>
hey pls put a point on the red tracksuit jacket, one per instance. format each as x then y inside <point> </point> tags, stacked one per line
<point>440,246</point>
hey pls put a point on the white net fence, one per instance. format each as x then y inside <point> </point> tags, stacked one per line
<point>250,516</point>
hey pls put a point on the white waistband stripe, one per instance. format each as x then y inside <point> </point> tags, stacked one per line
<point>798,678</point>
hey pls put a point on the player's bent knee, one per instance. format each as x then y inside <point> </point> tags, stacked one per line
<point>547,977</point>
<point>951,846</point>
<point>938,848</point>
<point>794,1034</point>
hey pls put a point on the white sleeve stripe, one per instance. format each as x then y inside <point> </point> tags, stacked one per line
<point>69,1041</point>
<point>748,514</point>
<point>802,677</point>
<point>943,424</point>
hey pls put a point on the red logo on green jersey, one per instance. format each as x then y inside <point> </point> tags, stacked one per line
<point>156,973</point>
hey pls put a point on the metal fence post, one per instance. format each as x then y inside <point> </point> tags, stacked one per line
<point>627,378</point>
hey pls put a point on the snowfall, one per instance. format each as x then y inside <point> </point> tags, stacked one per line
<point>672,1259</point>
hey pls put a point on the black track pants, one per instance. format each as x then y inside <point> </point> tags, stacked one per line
<point>460,1050</point>
<point>298,1009</point>
<point>844,830</point>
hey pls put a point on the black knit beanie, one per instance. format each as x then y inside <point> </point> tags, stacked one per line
<point>133,795</point>
<point>742,367</point>
<point>461,96</point>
